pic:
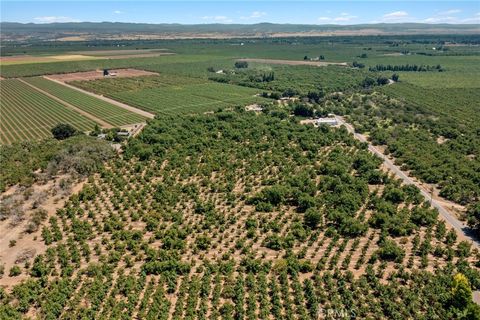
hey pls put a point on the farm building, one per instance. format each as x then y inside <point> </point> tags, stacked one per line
<point>326,121</point>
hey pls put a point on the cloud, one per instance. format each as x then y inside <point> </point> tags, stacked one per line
<point>395,15</point>
<point>475,19</point>
<point>254,15</point>
<point>53,19</point>
<point>448,12</point>
<point>218,19</point>
<point>343,17</point>
<point>257,14</point>
<point>441,18</point>
<point>118,12</point>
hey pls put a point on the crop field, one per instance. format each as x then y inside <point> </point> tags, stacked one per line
<point>154,64</point>
<point>167,94</point>
<point>110,113</point>
<point>458,105</point>
<point>98,74</point>
<point>460,71</point>
<point>241,216</point>
<point>27,114</point>
<point>15,60</point>
<point>300,79</point>
<point>237,215</point>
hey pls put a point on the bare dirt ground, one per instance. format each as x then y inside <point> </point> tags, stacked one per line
<point>28,245</point>
<point>118,52</point>
<point>98,74</point>
<point>24,59</point>
<point>394,54</point>
<point>296,63</point>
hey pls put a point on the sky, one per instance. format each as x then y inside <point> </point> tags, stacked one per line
<point>244,12</point>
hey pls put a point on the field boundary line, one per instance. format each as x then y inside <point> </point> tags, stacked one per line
<point>114,102</point>
<point>294,62</point>
<point>68,105</point>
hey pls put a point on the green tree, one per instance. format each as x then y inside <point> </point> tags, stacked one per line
<point>473,216</point>
<point>461,292</point>
<point>241,64</point>
<point>312,217</point>
<point>63,131</point>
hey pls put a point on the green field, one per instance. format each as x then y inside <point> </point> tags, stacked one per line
<point>108,112</point>
<point>167,94</point>
<point>27,114</point>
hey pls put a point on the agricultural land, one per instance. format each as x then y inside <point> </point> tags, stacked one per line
<point>192,182</point>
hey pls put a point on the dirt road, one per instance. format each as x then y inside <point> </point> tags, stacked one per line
<point>295,62</point>
<point>462,230</point>
<point>114,102</point>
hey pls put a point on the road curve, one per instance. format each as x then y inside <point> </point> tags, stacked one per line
<point>458,225</point>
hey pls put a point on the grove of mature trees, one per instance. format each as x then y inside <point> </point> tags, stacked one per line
<point>237,215</point>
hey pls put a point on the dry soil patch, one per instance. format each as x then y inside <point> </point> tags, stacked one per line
<point>98,74</point>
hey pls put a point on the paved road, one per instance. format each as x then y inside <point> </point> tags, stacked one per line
<point>458,225</point>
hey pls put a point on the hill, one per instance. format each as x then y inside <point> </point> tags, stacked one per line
<point>80,31</point>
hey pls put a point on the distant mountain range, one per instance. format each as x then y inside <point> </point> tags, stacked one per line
<point>13,31</point>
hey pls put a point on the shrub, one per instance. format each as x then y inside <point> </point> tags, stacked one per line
<point>15,271</point>
<point>203,242</point>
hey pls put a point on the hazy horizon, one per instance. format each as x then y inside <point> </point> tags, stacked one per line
<point>246,12</point>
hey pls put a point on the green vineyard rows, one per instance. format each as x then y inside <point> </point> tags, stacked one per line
<point>110,113</point>
<point>173,95</point>
<point>26,114</point>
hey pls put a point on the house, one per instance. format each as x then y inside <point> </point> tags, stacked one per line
<point>123,134</point>
<point>254,107</point>
<point>326,121</point>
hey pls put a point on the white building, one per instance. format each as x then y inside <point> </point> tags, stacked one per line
<point>326,121</point>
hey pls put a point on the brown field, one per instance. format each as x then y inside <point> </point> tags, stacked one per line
<point>23,59</point>
<point>85,55</point>
<point>295,62</point>
<point>98,74</point>
<point>101,53</point>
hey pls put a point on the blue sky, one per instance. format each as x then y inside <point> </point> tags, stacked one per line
<point>245,12</point>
